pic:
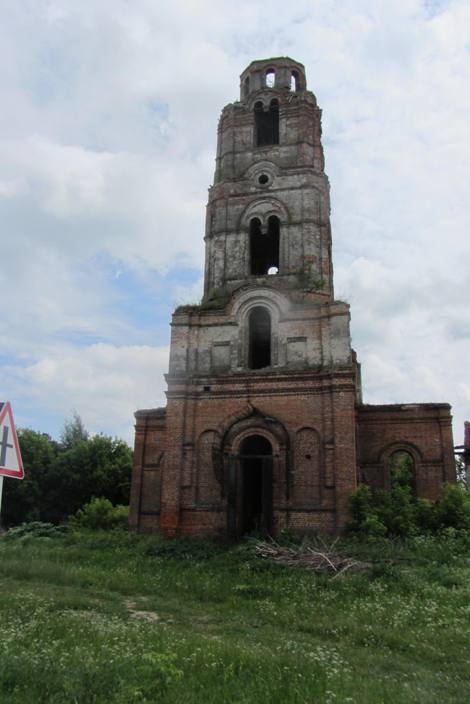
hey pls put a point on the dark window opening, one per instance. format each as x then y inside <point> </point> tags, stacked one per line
<point>259,352</point>
<point>267,123</point>
<point>402,471</point>
<point>256,464</point>
<point>264,248</point>
<point>246,86</point>
<point>294,81</point>
<point>270,78</point>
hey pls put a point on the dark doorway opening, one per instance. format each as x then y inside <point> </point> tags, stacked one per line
<point>259,352</point>
<point>255,490</point>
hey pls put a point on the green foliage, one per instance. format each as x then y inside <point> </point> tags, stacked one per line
<point>99,513</point>
<point>399,513</point>
<point>61,477</point>
<point>310,279</point>
<point>460,471</point>
<point>216,298</point>
<point>73,431</point>
<point>402,470</point>
<point>35,529</point>
<point>186,308</point>
<point>25,500</point>
<point>453,509</point>
<point>100,466</point>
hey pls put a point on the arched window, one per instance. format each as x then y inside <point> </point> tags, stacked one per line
<point>401,467</point>
<point>266,123</point>
<point>294,81</point>
<point>264,248</point>
<point>270,78</point>
<point>259,334</point>
<point>246,86</point>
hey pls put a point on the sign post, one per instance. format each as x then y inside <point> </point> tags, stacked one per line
<point>11,464</point>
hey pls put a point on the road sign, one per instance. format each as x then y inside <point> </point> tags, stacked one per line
<point>11,464</point>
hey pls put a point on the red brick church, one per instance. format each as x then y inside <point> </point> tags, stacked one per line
<point>265,427</point>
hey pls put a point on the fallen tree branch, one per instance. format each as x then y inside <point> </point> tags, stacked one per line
<point>306,556</point>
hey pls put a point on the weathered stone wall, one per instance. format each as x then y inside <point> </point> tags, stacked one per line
<point>305,335</point>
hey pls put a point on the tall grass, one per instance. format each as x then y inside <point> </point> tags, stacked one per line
<point>116,617</point>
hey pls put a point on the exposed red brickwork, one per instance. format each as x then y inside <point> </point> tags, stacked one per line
<point>423,430</point>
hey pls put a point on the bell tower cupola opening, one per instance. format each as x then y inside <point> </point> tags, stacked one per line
<point>275,74</point>
<point>264,247</point>
<point>267,123</point>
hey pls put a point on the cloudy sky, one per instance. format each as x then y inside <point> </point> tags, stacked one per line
<point>107,144</point>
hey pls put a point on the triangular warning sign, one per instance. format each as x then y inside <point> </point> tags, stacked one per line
<point>11,464</point>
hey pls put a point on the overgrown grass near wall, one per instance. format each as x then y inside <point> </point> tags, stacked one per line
<point>119,618</point>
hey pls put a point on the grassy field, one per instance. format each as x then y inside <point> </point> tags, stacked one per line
<point>120,618</point>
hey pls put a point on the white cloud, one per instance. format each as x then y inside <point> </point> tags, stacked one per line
<point>107,147</point>
<point>104,383</point>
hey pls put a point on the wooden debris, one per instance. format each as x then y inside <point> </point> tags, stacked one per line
<point>306,556</point>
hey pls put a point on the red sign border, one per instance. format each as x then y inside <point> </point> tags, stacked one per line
<point>13,473</point>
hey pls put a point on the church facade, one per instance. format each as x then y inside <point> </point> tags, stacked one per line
<point>265,427</point>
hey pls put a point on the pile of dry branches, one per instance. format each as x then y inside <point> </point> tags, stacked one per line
<point>313,558</point>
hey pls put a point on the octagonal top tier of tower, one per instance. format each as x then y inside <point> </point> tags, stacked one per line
<point>281,73</point>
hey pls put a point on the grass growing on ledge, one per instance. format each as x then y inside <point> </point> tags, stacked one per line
<point>216,299</point>
<point>118,618</point>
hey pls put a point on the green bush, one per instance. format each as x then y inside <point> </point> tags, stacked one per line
<point>399,512</point>
<point>36,529</point>
<point>61,477</point>
<point>100,513</point>
<point>453,509</point>
<point>426,515</point>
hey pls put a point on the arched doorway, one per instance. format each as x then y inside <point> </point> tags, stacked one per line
<point>253,447</point>
<point>253,493</point>
<point>255,484</point>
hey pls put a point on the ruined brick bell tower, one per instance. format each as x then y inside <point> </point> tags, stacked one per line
<point>259,432</point>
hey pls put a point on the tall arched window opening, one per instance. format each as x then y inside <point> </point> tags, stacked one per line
<point>401,467</point>
<point>246,86</point>
<point>259,332</point>
<point>294,81</point>
<point>270,78</point>
<point>267,123</point>
<point>264,247</point>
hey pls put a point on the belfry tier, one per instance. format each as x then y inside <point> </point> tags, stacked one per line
<point>268,210</point>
